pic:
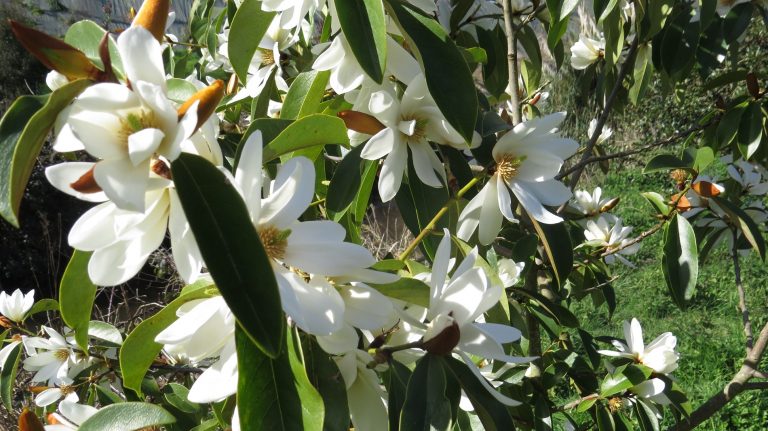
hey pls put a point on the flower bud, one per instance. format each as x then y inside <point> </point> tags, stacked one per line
<point>6,322</point>
<point>86,183</point>
<point>611,204</point>
<point>361,122</point>
<point>683,204</point>
<point>706,189</point>
<point>209,97</point>
<point>54,53</point>
<point>752,85</point>
<point>532,371</point>
<point>442,335</point>
<point>232,84</point>
<point>29,422</point>
<point>153,15</point>
<point>51,419</point>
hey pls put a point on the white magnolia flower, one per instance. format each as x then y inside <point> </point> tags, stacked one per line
<point>455,314</point>
<point>586,51</point>
<point>509,271</point>
<point>16,305</point>
<point>205,329</point>
<point>610,234</point>
<point>292,11</point>
<point>652,390</point>
<point>606,133</point>
<point>53,359</point>
<point>346,73</point>
<point>527,159</point>
<point>127,130</point>
<point>588,203</point>
<point>408,124</point>
<point>717,219</point>
<point>365,396</point>
<point>70,416</point>
<point>660,355</point>
<point>750,178</point>
<point>298,248</point>
<point>51,395</point>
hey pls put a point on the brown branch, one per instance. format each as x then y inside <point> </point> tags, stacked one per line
<point>638,238</point>
<point>742,296</point>
<point>623,70</point>
<point>514,86</point>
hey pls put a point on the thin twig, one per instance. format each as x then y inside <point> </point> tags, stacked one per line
<point>575,403</point>
<point>637,239</point>
<point>742,296</point>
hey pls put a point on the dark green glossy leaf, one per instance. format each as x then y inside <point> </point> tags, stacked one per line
<point>557,246</point>
<point>76,295</point>
<point>130,416</point>
<point>139,349</point>
<point>750,130</point>
<point>680,261</point>
<point>747,226</point>
<point>305,94</point>
<point>275,394</point>
<point>364,25</point>
<point>396,379</point>
<point>345,182</point>
<point>248,27</point>
<point>454,92</point>
<point>231,248</point>
<point>326,378</point>
<point>646,417</point>
<point>23,130</point>
<point>665,162</point>
<point>426,406</point>
<point>406,289</point>
<point>43,305</point>
<point>8,376</point>
<point>314,130</point>
<point>604,419</point>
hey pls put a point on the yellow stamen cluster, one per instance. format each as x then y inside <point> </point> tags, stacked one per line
<point>267,57</point>
<point>61,354</point>
<point>274,241</point>
<point>136,121</point>
<point>508,167</point>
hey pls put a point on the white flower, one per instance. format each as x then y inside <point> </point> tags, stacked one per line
<point>750,178</point>
<point>408,124</point>
<point>70,416</point>
<point>16,305</point>
<point>365,396</point>
<point>128,129</point>
<point>53,359</point>
<point>298,248</point>
<point>527,159</point>
<point>51,395</point>
<point>660,355</point>
<point>587,203</point>
<point>509,271</point>
<point>606,133</point>
<point>55,80</point>
<point>205,329</point>
<point>612,237</point>
<point>586,51</point>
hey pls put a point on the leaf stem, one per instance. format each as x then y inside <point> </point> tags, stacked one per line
<point>432,223</point>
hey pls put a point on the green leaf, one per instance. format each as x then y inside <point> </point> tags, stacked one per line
<point>746,225</point>
<point>77,293</point>
<point>646,417</point>
<point>426,406</point>
<point>179,90</point>
<point>86,36</point>
<point>8,376</point>
<point>454,92</point>
<point>43,305</point>
<point>139,349</point>
<point>23,130</point>
<point>703,158</point>
<point>363,22</point>
<point>326,378</point>
<point>680,261</point>
<point>275,394</point>
<point>562,315</point>
<point>493,414</point>
<point>406,289</point>
<point>345,182</point>
<point>604,419</point>
<point>231,248</point>
<point>176,395</point>
<point>132,416</point>
<point>396,380</point>
<point>305,94</point>
<point>105,332</point>
<point>311,131</point>
<point>248,28</point>
<point>750,130</point>
<point>665,162</point>
<point>495,70</point>
<point>557,246</point>
<point>658,202</point>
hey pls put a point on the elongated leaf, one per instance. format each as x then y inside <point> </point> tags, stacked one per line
<point>139,349</point>
<point>132,416</point>
<point>557,246</point>
<point>8,376</point>
<point>105,332</point>
<point>314,130</point>
<point>604,419</point>
<point>493,415</point>
<point>613,384</point>
<point>747,226</point>
<point>680,261</point>
<point>231,249</point>
<point>646,417</point>
<point>23,129</point>
<point>426,406</point>
<point>366,29</point>
<point>658,202</point>
<point>86,36</point>
<point>454,92</point>
<point>345,182</point>
<point>43,305</point>
<point>406,289</point>
<point>305,94</point>
<point>396,379</point>
<point>275,394</point>
<point>326,378</point>
<point>750,130</point>
<point>248,27</point>
<point>665,162</point>
<point>76,295</point>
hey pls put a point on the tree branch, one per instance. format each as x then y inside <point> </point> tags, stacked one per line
<point>742,296</point>
<point>514,86</point>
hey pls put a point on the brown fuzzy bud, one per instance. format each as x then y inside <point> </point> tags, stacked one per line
<point>444,342</point>
<point>683,204</point>
<point>209,98</point>
<point>153,15</point>
<point>361,122</point>
<point>54,53</point>
<point>29,422</point>
<point>753,86</point>
<point>161,168</point>
<point>706,189</point>
<point>611,204</point>
<point>86,183</point>
<point>5,322</point>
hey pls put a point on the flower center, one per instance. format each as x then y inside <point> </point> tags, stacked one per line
<point>414,129</point>
<point>136,121</point>
<point>61,354</point>
<point>66,389</point>
<point>274,241</point>
<point>267,57</point>
<point>509,166</point>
